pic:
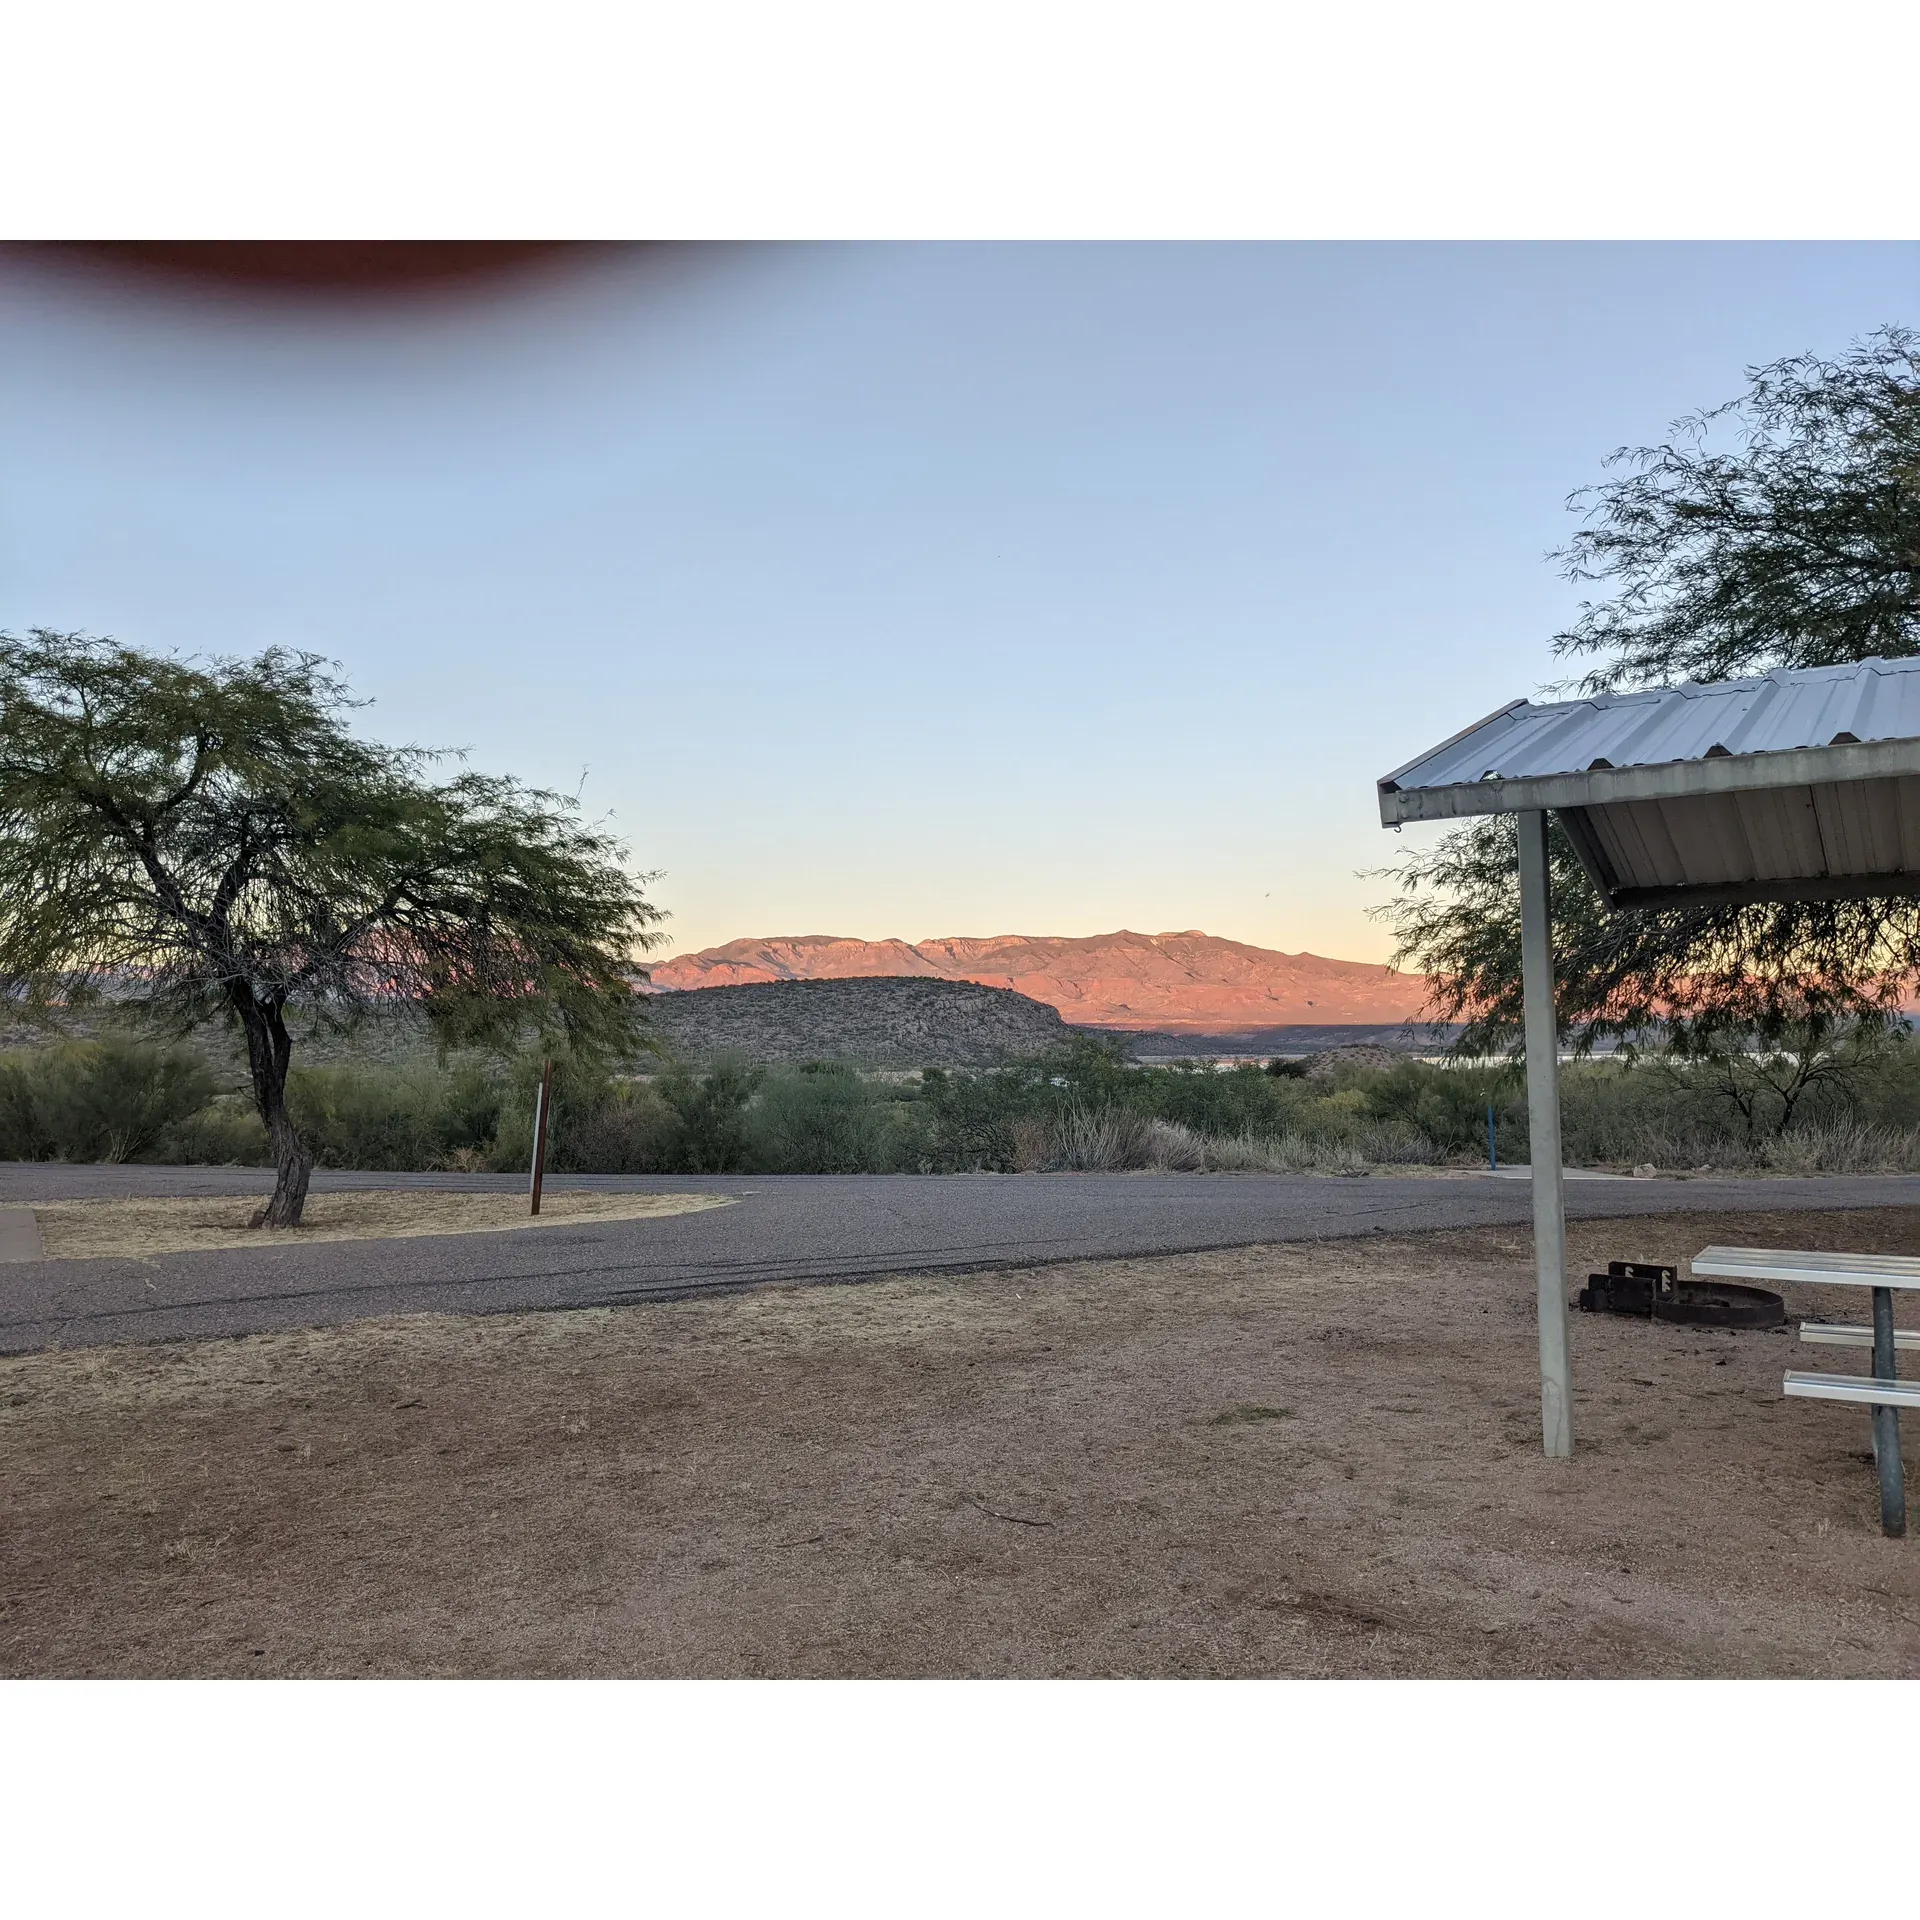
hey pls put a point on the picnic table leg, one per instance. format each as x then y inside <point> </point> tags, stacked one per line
<point>1886,1423</point>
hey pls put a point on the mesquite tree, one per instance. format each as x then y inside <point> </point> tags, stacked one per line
<point>1782,529</point>
<point>210,839</point>
<point>1779,530</point>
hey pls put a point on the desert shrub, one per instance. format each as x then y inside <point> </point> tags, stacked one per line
<point>1304,1153</point>
<point>1242,1153</point>
<point>111,1100</point>
<point>1083,1107</point>
<point>1390,1143</point>
<point>1885,1092</point>
<point>470,1109</point>
<point>623,1127</point>
<point>1842,1146</point>
<point>1351,1151</point>
<point>1019,1114</point>
<point>1119,1140</point>
<point>23,1130</point>
<point>1206,1101</point>
<point>1078,1107</point>
<point>821,1118</point>
<point>476,1116</point>
<point>225,1133</point>
<point>987,1122</point>
<point>1104,1139</point>
<point>396,1119</point>
<point>589,1130</point>
<point>380,1118</point>
<point>1652,1112</point>
<point>511,1149</point>
<point>599,1124</point>
<point>1612,1113</point>
<point>1446,1106</point>
<point>1172,1148</point>
<point>711,1109</point>
<point>116,1100</point>
<point>1724,1107</point>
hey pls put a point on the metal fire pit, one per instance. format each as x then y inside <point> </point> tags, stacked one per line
<point>1649,1292</point>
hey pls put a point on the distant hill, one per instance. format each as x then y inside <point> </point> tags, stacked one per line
<point>1159,982</point>
<point>874,1023</point>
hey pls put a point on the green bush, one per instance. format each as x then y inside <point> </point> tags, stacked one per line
<point>1886,1090</point>
<point>227,1133</point>
<point>111,1100</point>
<point>1080,1105</point>
<point>620,1127</point>
<point>711,1108</point>
<point>821,1118</point>
<point>1242,1100</point>
<point>1678,1114</point>
<point>1447,1106</point>
<point>365,1117</point>
<point>393,1119</point>
<point>23,1131</point>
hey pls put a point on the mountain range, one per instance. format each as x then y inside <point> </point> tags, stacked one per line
<point>1165,982</point>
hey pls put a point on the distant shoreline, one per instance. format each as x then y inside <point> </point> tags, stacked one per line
<point>1297,1041</point>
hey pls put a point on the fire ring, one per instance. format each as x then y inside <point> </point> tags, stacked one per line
<point>1647,1292</point>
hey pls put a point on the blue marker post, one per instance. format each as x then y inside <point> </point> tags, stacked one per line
<point>1493,1155</point>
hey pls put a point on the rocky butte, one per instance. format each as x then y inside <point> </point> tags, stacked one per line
<point>1165,982</point>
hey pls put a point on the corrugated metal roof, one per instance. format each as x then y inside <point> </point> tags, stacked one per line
<point>1781,711</point>
<point>1801,785</point>
<point>1820,841</point>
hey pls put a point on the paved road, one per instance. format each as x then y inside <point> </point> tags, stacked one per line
<point>782,1229</point>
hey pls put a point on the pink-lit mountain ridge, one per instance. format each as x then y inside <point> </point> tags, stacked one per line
<point>1165,982</point>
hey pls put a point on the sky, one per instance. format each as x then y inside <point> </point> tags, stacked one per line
<point>903,590</point>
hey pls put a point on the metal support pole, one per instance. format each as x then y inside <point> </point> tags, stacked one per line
<point>1886,1423</point>
<point>1543,1128</point>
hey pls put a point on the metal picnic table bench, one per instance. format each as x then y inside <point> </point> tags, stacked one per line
<point>1884,1393</point>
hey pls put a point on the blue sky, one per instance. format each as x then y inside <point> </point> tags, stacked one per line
<point>909,590</point>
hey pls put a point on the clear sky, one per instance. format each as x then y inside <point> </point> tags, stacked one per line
<point>909,590</point>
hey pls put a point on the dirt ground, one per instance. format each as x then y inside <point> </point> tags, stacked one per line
<point>130,1228</point>
<point>1301,1460</point>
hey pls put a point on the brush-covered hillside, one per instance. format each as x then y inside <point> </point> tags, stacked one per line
<point>872,1023</point>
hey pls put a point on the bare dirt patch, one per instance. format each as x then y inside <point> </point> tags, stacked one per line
<point>1318,1459</point>
<point>130,1229</point>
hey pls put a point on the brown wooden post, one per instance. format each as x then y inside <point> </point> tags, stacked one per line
<point>543,1107</point>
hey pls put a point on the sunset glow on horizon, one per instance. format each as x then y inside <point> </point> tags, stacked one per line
<point>904,592</point>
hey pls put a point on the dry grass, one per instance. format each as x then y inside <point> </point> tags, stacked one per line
<point>1290,1460</point>
<point>131,1229</point>
<point>1118,1140</point>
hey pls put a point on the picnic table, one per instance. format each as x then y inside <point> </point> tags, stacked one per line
<point>1883,1393</point>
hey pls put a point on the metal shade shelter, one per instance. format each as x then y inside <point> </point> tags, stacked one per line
<point>1800,785</point>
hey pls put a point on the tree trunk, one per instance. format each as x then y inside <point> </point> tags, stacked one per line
<point>269,1048</point>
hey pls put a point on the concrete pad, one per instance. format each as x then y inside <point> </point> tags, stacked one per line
<point>20,1235</point>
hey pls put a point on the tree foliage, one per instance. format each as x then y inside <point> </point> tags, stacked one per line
<point>1782,529</point>
<point>210,838</point>
<point>1779,530</point>
<point>1704,975</point>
